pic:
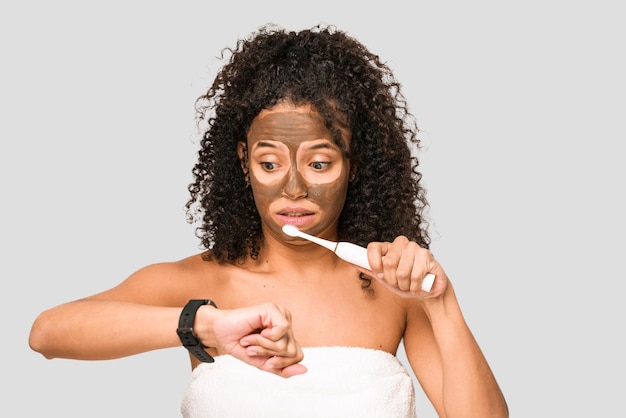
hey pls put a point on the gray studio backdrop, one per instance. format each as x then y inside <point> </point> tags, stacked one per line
<point>521,107</point>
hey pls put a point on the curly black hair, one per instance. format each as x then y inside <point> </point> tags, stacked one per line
<point>343,81</point>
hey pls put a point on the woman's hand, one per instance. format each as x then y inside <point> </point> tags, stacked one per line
<point>402,265</point>
<point>260,335</point>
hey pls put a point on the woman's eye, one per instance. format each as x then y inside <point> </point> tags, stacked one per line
<point>268,166</point>
<point>320,165</point>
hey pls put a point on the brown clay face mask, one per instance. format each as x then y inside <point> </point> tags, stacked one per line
<point>297,173</point>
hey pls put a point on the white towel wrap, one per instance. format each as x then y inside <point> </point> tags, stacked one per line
<point>341,382</point>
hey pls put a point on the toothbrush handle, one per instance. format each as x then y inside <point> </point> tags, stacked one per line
<point>353,253</point>
<point>357,255</point>
<point>427,282</point>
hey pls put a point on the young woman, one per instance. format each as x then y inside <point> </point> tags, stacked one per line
<point>309,129</point>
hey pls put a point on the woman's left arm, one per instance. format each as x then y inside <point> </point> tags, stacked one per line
<point>448,362</point>
<point>443,353</point>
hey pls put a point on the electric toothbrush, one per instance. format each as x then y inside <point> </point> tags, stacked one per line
<point>347,251</point>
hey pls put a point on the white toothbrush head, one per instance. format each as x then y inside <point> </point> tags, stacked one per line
<point>294,231</point>
<point>291,230</point>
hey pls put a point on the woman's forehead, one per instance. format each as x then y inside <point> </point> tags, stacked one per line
<point>290,123</point>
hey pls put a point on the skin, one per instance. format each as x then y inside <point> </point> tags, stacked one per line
<point>272,306</point>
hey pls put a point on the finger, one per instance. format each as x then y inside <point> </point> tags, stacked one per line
<point>276,335</point>
<point>375,252</point>
<point>283,367</point>
<point>276,331</point>
<point>280,362</point>
<point>391,262</point>
<point>275,341</point>
<point>390,265</point>
<point>428,279</point>
<point>259,345</point>
<point>272,322</point>
<point>420,269</point>
<point>406,269</point>
<point>284,364</point>
<point>417,277</point>
<point>293,370</point>
<point>269,348</point>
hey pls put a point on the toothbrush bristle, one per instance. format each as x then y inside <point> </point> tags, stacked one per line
<point>291,230</point>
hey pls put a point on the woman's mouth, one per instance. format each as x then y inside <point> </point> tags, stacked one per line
<point>296,217</point>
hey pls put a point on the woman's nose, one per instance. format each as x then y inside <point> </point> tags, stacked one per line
<point>295,187</point>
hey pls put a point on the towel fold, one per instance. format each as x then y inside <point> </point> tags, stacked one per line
<point>340,382</point>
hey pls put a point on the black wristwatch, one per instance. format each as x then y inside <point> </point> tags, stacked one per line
<point>185,329</point>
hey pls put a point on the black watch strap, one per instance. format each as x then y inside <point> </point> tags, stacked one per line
<point>185,329</point>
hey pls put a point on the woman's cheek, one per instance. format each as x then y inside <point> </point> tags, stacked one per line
<point>330,196</point>
<point>265,192</point>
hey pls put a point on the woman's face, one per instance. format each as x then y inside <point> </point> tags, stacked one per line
<point>297,173</point>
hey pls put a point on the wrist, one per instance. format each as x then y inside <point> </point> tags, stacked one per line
<point>444,307</point>
<point>203,327</point>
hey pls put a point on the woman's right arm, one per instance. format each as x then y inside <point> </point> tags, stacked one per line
<point>95,329</point>
<point>138,315</point>
<point>142,313</point>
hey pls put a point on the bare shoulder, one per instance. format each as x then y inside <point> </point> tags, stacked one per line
<point>166,283</point>
<point>189,266</point>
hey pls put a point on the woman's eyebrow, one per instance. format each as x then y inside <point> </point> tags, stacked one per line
<point>265,144</point>
<point>318,145</point>
<point>324,145</point>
